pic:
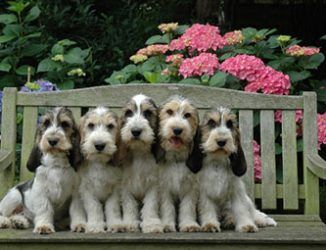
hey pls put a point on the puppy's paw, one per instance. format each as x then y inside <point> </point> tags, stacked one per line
<point>78,228</point>
<point>248,228</point>
<point>132,228</point>
<point>44,229</point>
<point>116,228</point>
<point>210,227</point>
<point>228,222</point>
<point>169,228</point>
<point>4,222</point>
<point>94,229</point>
<point>152,226</point>
<point>189,227</point>
<point>266,222</point>
<point>19,222</point>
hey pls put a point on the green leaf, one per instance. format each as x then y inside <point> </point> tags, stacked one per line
<point>321,95</point>
<point>323,37</point>
<point>181,29</point>
<point>48,65</point>
<point>8,18</point>
<point>17,6</point>
<point>204,79</point>
<point>157,39</point>
<point>66,42</point>
<point>8,80</point>
<point>152,77</point>
<point>68,84</point>
<point>34,35</point>
<point>299,145</point>
<point>298,76</point>
<point>74,56</point>
<point>33,14</point>
<point>190,81</point>
<point>5,67</point>
<point>311,62</point>
<point>12,30</point>
<point>5,38</point>
<point>218,80</point>
<point>33,49</point>
<point>57,49</point>
<point>117,77</point>
<point>227,55</point>
<point>23,70</point>
<point>278,149</point>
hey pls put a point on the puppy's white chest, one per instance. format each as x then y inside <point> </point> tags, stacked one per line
<point>215,182</point>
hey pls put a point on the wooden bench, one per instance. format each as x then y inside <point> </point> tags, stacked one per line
<point>299,225</point>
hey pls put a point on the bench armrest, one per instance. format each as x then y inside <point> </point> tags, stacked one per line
<point>5,159</point>
<point>317,165</point>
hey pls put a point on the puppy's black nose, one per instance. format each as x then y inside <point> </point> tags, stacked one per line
<point>53,142</point>
<point>221,143</point>
<point>177,131</point>
<point>99,146</point>
<point>136,132</point>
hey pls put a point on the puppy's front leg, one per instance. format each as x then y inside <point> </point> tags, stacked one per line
<point>94,212</point>
<point>43,220</point>
<point>113,213</point>
<point>151,222</point>
<point>130,212</point>
<point>77,215</point>
<point>168,212</point>
<point>208,215</point>
<point>187,213</point>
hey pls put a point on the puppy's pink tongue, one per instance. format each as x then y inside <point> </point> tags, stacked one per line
<point>176,141</point>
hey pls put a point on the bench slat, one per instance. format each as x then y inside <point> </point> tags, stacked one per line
<point>246,128</point>
<point>290,169</point>
<point>267,137</point>
<point>202,97</point>
<point>76,113</point>
<point>28,140</point>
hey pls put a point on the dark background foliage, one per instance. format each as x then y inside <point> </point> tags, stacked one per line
<point>117,29</point>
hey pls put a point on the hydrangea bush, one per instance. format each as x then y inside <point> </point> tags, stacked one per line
<point>248,59</point>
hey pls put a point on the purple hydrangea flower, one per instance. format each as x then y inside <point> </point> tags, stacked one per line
<point>46,85</point>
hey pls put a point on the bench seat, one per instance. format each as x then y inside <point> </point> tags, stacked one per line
<point>292,232</point>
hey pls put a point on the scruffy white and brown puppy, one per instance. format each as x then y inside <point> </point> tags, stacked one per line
<point>47,196</point>
<point>100,179</point>
<point>222,192</point>
<point>178,124</point>
<point>140,171</point>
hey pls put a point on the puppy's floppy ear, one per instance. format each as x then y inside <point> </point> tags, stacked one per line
<point>75,156</point>
<point>195,159</point>
<point>34,160</point>
<point>238,159</point>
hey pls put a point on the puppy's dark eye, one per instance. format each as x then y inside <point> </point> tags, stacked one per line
<point>187,115</point>
<point>129,113</point>
<point>110,126</point>
<point>147,113</point>
<point>211,123</point>
<point>169,111</point>
<point>90,126</point>
<point>65,125</point>
<point>46,123</point>
<point>229,124</point>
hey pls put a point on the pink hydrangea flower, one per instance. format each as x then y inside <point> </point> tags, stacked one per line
<point>257,161</point>
<point>297,50</point>
<point>321,123</point>
<point>175,60</point>
<point>233,37</point>
<point>270,81</point>
<point>199,37</point>
<point>244,67</point>
<point>204,63</point>
<point>155,49</point>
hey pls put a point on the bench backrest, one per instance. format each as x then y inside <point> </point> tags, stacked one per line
<point>289,194</point>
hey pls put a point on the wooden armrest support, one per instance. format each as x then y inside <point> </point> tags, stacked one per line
<point>5,159</point>
<point>317,165</point>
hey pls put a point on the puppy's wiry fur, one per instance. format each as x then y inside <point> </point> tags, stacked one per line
<point>222,192</point>
<point>47,196</point>
<point>140,171</point>
<point>178,125</point>
<point>100,179</point>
